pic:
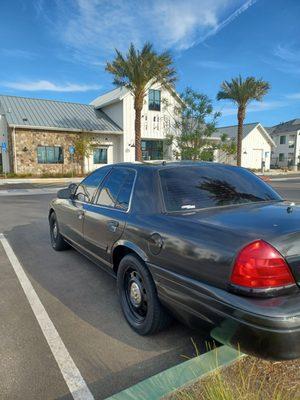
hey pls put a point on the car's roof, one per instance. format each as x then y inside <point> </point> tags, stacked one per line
<point>157,165</point>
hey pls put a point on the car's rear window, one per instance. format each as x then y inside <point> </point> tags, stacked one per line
<point>189,187</point>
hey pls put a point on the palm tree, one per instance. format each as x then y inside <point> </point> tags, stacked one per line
<point>135,71</point>
<point>242,92</point>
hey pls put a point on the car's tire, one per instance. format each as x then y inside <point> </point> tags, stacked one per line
<point>58,243</point>
<point>138,297</point>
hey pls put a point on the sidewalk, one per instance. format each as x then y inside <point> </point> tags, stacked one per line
<point>15,181</point>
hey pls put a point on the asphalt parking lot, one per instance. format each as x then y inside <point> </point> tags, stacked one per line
<point>81,301</point>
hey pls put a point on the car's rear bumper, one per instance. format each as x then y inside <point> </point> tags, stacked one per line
<point>268,328</point>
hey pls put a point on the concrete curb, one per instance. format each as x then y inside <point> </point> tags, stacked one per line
<point>14,181</point>
<point>157,386</point>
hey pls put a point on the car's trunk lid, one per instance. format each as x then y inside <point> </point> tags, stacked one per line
<point>278,223</point>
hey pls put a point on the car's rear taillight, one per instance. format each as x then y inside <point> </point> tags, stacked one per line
<point>260,266</point>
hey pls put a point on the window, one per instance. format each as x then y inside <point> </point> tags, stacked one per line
<point>123,198</point>
<point>117,189</point>
<point>154,100</point>
<point>50,155</point>
<point>281,156</point>
<point>89,185</point>
<point>291,141</point>
<point>152,149</point>
<point>189,187</point>
<point>282,139</point>
<point>100,155</point>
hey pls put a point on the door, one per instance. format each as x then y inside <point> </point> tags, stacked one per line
<point>105,219</point>
<point>257,159</point>
<point>71,212</point>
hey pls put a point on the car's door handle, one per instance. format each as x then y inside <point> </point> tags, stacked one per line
<point>80,214</point>
<point>112,226</point>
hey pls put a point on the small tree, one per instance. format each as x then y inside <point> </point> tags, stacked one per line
<point>83,149</point>
<point>242,92</point>
<point>194,123</point>
<point>227,147</point>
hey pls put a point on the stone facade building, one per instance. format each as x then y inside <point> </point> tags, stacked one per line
<point>39,134</point>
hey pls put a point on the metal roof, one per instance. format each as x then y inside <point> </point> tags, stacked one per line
<point>289,126</point>
<point>110,97</point>
<point>23,111</point>
<point>231,131</point>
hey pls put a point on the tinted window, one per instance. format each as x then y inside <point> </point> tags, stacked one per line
<point>188,188</point>
<point>88,186</point>
<point>100,156</point>
<point>50,155</point>
<point>125,192</point>
<point>154,100</point>
<point>112,187</point>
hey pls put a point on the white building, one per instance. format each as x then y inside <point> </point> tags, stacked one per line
<point>157,120</point>
<point>287,138</point>
<point>257,146</point>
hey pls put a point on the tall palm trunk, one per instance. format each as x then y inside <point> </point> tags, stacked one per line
<point>138,105</point>
<point>241,117</point>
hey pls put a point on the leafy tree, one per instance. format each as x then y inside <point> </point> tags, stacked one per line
<point>135,71</point>
<point>194,123</point>
<point>83,149</point>
<point>242,92</point>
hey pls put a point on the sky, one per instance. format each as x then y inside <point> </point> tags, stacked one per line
<point>57,49</point>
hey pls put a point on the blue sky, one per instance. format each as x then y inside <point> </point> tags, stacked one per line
<point>57,49</point>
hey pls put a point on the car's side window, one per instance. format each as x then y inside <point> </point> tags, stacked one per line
<point>123,198</point>
<point>89,185</point>
<point>115,190</point>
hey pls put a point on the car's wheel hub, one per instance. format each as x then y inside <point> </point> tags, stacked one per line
<point>135,294</point>
<point>54,230</point>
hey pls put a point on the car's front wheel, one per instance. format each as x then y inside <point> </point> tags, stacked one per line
<point>138,297</point>
<point>57,241</point>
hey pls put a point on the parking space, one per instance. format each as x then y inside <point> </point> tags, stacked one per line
<point>81,301</point>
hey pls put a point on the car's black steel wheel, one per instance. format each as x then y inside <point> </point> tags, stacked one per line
<point>138,297</point>
<point>57,241</point>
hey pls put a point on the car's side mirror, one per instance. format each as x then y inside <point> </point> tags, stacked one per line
<point>64,194</point>
<point>72,187</point>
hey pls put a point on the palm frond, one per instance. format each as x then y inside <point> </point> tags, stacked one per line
<point>242,91</point>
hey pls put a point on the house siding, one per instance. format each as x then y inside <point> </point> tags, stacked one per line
<point>155,124</point>
<point>290,155</point>
<point>255,149</point>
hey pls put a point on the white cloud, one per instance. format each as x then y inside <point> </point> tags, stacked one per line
<point>210,64</point>
<point>286,59</point>
<point>293,96</point>
<point>286,53</point>
<point>255,107</point>
<point>44,85</point>
<point>93,28</point>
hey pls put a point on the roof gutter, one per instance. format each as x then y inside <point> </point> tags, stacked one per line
<point>66,130</point>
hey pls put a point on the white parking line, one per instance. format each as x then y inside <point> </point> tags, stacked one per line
<point>70,372</point>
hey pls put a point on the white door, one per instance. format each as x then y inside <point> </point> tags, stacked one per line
<point>257,158</point>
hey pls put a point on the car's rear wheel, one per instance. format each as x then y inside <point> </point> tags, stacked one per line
<point>57,241</point>
<point>138,297</point>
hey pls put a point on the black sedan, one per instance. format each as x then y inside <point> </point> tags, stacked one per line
<point>211,244</point>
